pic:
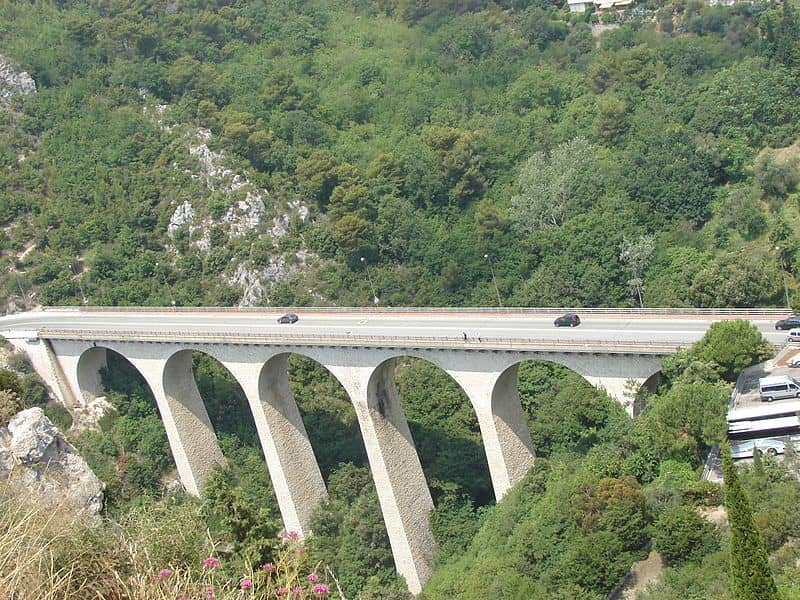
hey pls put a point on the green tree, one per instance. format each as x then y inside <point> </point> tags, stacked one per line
<point>751,576</point>
<point>733,345</point>
<point>680,534</point>
<point>777,174</point>
<point>460,161</point>
<point>553,186</point>
<point>635,255</point>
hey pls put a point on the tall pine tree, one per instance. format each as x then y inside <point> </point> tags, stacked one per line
<point>750,572</point>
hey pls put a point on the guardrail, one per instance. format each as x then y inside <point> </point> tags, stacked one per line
<point>448,342</point>
<point>710,312</point>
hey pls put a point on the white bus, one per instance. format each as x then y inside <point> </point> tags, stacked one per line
<point>778,418</point>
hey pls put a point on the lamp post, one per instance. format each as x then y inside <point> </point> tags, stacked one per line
<point>85,300</point>
<point>375,299</point>
<point>166,285</point>
<point>22,292</point>
<point>783,276</point>
<point>494,279</point>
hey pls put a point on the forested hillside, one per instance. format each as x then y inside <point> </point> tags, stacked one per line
<point>222,152</point>
<point>410,153</point>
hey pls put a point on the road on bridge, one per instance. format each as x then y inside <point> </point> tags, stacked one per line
<point>640,328</point>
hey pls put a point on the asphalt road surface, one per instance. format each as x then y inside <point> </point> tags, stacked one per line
<point>639,328</point>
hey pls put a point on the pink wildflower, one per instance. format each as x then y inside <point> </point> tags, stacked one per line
<point>210,593</point>
<point>291,535</point>
<point>246,584</point>
<point>211,563</point>
<point>312,577</point>
<point>320,589</point>
<point>281,591</point>
<point>165,573</point>
<point>268,567</point>
<point>298,591</point>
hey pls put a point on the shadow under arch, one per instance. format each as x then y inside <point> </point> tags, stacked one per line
<point>444,429</point>
<point>102,370</point>
<point>134,430</point>
<point>561,410</point>
<point>91,363</point>
<point>300,382</point>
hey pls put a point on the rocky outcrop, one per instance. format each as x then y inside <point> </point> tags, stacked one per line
<point>183,216</point>
<point>34,454</point>
<point>248,208</point>
<point>257,283</point>
<point>14,82</point>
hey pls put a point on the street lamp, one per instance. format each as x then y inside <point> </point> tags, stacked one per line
<point>166,285</point>
<point>80,283</point>
<point>375,298</point>
<point>494,279</point>
<point>783,276</point>
<point>21,291</point>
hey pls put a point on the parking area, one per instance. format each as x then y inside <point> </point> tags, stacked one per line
<point>748,383</point>
<point>748,394</point>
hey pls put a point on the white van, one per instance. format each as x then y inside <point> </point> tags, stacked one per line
<point>794,335</point>
<point>778,387</point>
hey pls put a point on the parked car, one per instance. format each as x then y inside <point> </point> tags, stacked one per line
<point>788,323</point>
<point>747,448</point>
<point>794,363</point>
<point>288,318</point>
<point>567,320</point>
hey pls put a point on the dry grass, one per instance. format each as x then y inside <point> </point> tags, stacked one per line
<point>31,539</point>
<point>54,554</point>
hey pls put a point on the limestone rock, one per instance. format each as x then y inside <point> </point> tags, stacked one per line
<point>88,415</point>
<point>35,454</point>
<point>183,214</point>
<point>245,214</point>
<point>14,82</point>
<point>257,283</point>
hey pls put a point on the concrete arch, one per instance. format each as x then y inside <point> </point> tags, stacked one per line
<point>468,452</point>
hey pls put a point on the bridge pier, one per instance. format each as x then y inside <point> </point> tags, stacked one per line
<point>293,468</point>
<point>514,448</point>
<point>191,436</point>
<point>403,492</point>
<point>504,428</point>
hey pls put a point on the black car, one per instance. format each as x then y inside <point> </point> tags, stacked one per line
<point>569,320</point>
<point>288,318</point>
<point>788,323</point>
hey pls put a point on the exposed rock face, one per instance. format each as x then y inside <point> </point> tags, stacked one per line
<point>257,283</point>
<point>35,454</point>
<point>183,215</point>
<point>248,210</point>
<point>14,82</point>
<point>88,415</point>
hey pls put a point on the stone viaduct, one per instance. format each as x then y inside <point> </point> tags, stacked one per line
<point>70,360</point>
